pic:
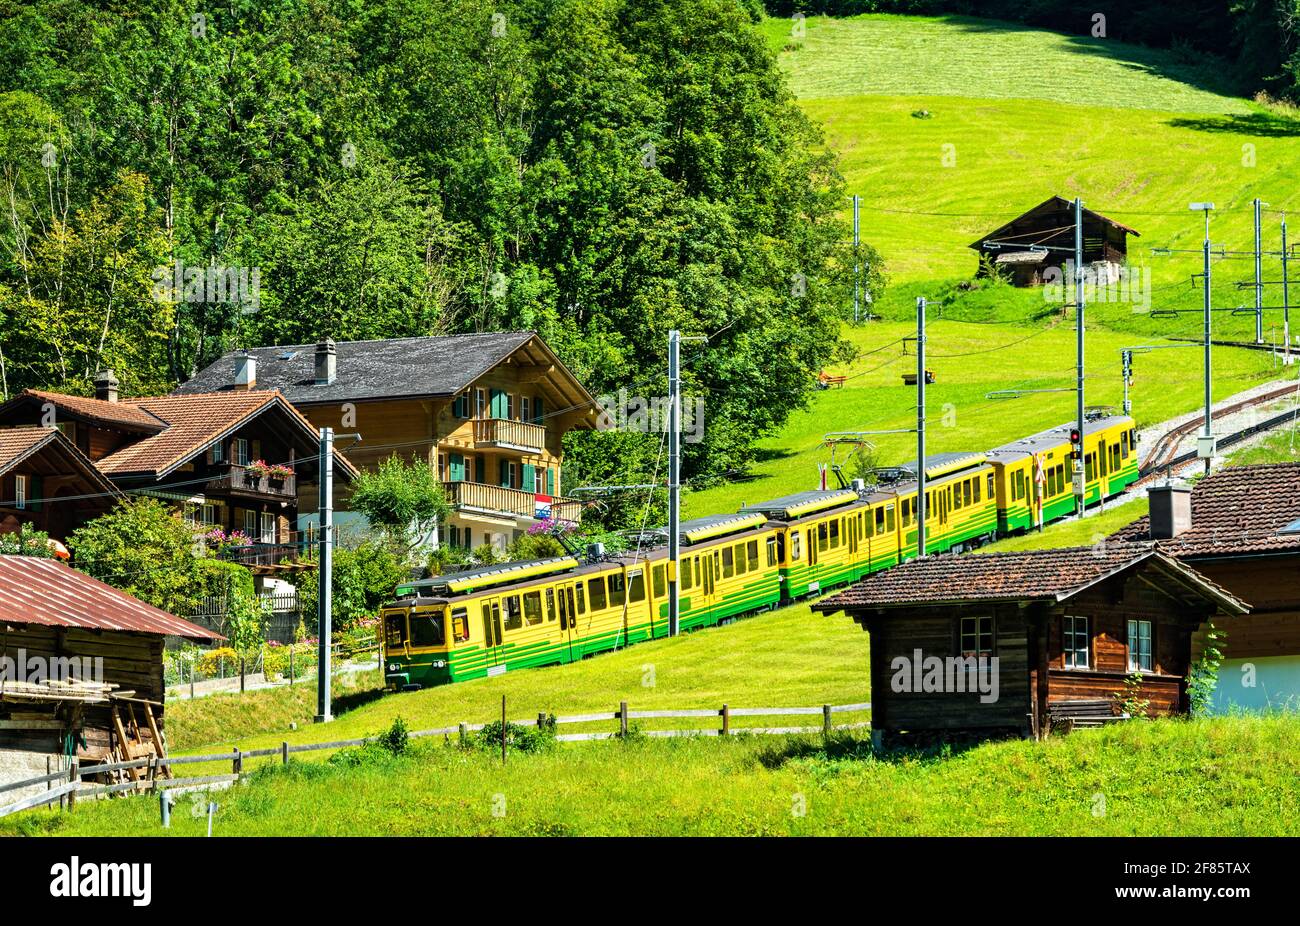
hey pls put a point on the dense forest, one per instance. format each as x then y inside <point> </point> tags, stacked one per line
<point>1260,39</point>
<point>179,178</point>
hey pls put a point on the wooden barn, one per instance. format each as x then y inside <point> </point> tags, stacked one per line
<point>1013,643</point>
<point>1025,248</point>
<point>81,670</point>
<point>1240,527</point>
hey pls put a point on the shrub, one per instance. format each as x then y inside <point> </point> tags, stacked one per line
<point>518,737</point>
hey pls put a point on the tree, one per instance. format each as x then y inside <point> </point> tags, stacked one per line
<point>405,499</point>
<point>143,548</point>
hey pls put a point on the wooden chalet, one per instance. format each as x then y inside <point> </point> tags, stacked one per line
<point>1066,628</point>
<point>200,452</point>
<point>81,670</point>
<point>1240,527</point>
<point>488,411</point>
<point>39,469</point>
<point>1042,238</point>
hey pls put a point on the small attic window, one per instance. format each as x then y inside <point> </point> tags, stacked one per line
<point>1292,528</point>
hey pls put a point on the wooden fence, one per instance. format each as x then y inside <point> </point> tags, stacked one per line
<point>66,787</point>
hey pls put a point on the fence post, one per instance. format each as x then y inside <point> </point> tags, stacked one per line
<point>726,720</point>
<point>237,763</point>
<point>826,719</point>
<point>241,674</point>
<point>503,729</point>
<point>464,734</point>
<point>194,666</point>
<point>541,720</point>
<point>292,647</point>
<point>622,719</point>
<point>284,753</point>
<point>74,778</point>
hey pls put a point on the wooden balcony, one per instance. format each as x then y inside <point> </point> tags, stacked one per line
<point>500,500</point>
<point>239,481</point>
<point>507,434</point>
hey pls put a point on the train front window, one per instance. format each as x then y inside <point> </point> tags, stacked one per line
<point>395,628</point>
<point>460,624</point>
<point>428,628</point>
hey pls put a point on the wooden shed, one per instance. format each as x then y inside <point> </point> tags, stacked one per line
<point>1043,237</point>
<point>1052,635</point>
<point>81,669</point>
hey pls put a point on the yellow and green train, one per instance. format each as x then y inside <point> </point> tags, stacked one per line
<point>493,619</point>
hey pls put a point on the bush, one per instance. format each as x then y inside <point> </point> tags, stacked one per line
<point>518,737</point>
<point>396,738</point>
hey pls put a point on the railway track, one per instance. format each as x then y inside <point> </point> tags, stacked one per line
<point>1164,455</point>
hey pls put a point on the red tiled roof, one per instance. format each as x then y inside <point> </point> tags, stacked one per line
<point>1029,575</point>
<point>1237,510</point>
<point>120,414</point>
<point>42,591</point>
<point>18,444</point>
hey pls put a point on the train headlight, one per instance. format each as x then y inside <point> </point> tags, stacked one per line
<point>393,667</point>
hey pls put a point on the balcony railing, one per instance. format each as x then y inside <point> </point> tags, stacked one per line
<point>505,432</point>
<point>239,480</point>
<point>504,500</point>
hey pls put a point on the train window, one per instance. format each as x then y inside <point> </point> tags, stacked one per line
<point>965,493</point>
<point>772,558</point>
<point>427,629</point>
<point>636,591</point>
<point>751,554</point>
<point>742,563</point>
<point>795,544</point>
<point>616,589</point>
<point>550,604</point>
<point>975,484</point>
<point>880,520</point>
<point>685,576</point>
<point>533,607</point>
<point>956,496</point>
<point>460,624</point>
<point>823,537</point>
<point>582,600</point>
<point>660,581</point>
<point>514,615</point>
<point>835,533</point>
<point>989,494</point>
<point>596,590</point>
<point>728,562</point>
<point>395,628</point>
<point>889,519</point>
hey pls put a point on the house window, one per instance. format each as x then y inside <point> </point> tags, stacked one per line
<point>1076,642</point>
<point>1139,646</point>
<point>243,456</point>
<point>510,405</point>
<point>20,492</point>
<point>268,527</point>
<point>250,524</point>
<point>480,402</point>
<point>976,636</point>
<point>209,514</point>
<point>539,480</point>
<point>523,408</point>
<point>217,453</point>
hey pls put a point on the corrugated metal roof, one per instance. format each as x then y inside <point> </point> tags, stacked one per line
<point>43,591</point>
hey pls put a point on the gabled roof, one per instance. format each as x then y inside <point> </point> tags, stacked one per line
<point>1238,510</point>
<point>393,368</point>
<point>45,592</point>
<point>1053,204</point>
<point>114,415</point>
<point>1030,575</point>
<point>24,443</point>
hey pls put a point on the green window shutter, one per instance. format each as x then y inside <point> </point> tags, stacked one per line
<point>34,492</point>
<point>504,474</point>
<point>457,468</point>
<point>480,470</point>
<point>458,407</point>
<point>550,481</point>
<point>529,477</point>
<point>498,403</point>
<point>537,410</point>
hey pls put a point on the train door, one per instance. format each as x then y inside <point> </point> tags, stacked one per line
<point>710,586</point>
<point>568,616</point>
<point>814,557</point>
<point>494,660</point>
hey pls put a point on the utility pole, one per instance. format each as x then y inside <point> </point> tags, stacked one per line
<point>325,575</point>
<point>1126,364</point>
<point>674,476</point>
<point>857,267</point>
<point>1286,296</point>
<point>1080,486</point>
<point>1205,446</point>
<point>920,426</point>
<point>1259,278</point>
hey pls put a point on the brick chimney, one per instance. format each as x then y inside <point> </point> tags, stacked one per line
<point>106,386</point>
<point>1171,510</point>
<point>326,362</point>
<point>245,370</point>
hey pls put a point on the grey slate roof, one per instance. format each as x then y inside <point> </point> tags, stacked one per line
<point>383,369</point>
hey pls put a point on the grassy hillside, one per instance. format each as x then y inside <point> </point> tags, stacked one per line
<point>970,361</point>
<point>1208,777</point>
